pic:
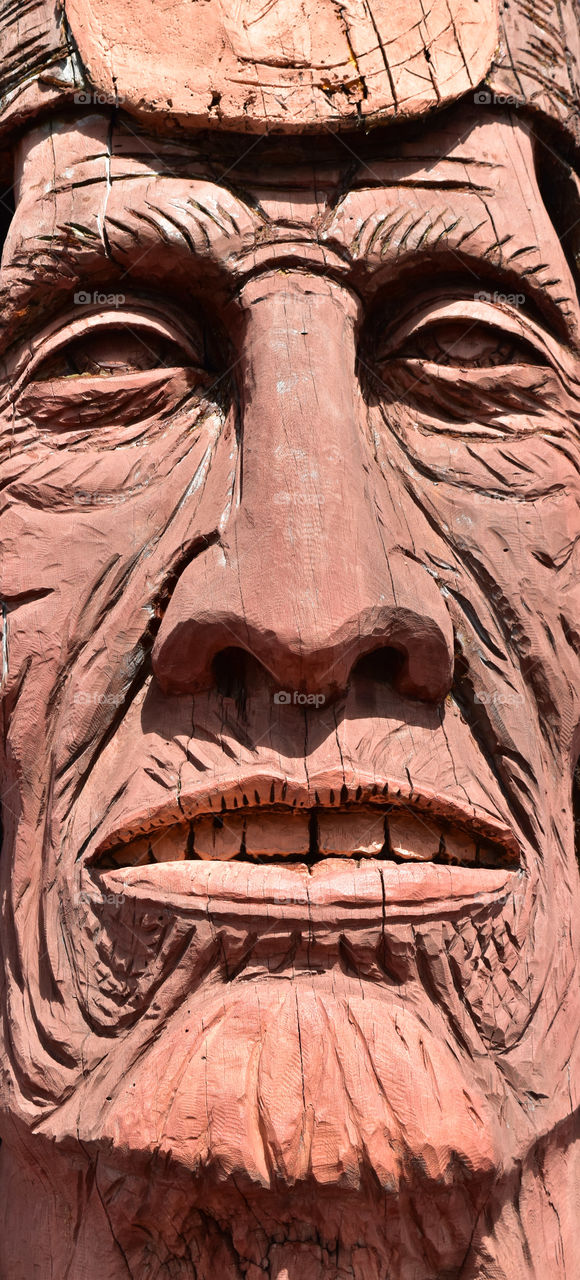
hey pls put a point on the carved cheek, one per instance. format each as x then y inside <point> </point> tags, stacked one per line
<point>495,512</point>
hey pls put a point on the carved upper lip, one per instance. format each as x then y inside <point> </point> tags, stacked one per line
<point>332,790</point>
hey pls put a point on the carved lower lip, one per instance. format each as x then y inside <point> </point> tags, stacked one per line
<point>335,894</point>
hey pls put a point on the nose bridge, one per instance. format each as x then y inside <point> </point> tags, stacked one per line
<point>305,535</point>
<point>301,408</point>
<point>303,577</point>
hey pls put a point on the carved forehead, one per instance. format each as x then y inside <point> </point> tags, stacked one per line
<point>463,149</point>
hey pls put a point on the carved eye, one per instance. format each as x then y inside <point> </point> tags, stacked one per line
<point>113,352</point>
<point>105,372</point>
<point>464,335</point>
<point>109,345</point>
<point>466,345</point>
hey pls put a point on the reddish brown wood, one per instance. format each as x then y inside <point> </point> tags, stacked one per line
<point>289,646</point>
<point>285,65</point>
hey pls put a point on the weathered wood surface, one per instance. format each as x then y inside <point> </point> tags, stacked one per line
<point>282,66</point>
<point>289,657</point>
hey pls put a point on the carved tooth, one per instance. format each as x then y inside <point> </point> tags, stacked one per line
<point>353,834</point>
<point>170,844</point>
<point>276,834</point>
<point>488,854</point>
<point>212,840</point>
<point>135,854</point>
<point>413,837</point>
<point>459,847</point>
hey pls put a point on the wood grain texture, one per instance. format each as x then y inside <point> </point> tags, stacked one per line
<point>285,65</point>
<point>538,60</point>
<point>289,649</point>
<point>38,66</point>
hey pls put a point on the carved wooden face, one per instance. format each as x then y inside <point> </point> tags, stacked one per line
<point>289,494</point>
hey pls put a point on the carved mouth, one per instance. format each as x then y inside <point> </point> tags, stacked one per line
<point>276,834</point>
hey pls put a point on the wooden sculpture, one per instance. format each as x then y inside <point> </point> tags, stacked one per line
<point>290,640</point>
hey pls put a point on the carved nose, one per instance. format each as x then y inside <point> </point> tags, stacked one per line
<point>302,577</point>
<point>228,600</point>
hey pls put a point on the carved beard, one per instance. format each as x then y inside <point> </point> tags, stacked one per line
<point>325,1088</point>
<point>344,1086</point>
<point>320,1078</point>
<point>303,1108</point>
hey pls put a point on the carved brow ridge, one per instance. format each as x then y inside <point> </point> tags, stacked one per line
<point>425,184</point>
<point>150,221</point>
<point>514,272</point>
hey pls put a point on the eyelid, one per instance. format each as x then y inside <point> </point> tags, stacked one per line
<point>137,320</point>
<point>472,312</point>
<point>149,393</point>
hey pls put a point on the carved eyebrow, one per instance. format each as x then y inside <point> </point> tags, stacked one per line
<point>453,173</point>
<point>391,236</point>
<point>51,265</point>
<point>388,233</point>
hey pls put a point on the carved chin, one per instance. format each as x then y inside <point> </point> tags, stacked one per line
<point>280,1083</point>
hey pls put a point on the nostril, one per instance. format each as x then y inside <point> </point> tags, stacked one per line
<point>381,666</point>
<point>230,672</point>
